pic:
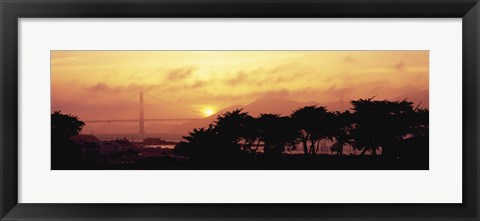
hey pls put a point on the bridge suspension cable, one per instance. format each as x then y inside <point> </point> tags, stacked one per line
<point>89,120</point>
<point>174,105</point>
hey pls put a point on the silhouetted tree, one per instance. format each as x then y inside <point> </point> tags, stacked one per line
<point>414,146</point>
<point>275,133</point>
<point>250,134</point>
<point>420,121</point>
<point>199,143</point>
<point>380,124</point>
<point>64,152</point>
<point>313,124</point>
<point>394,126</point>
<point>65,126</point>
<point>303,118</point>
<point>341,130</point>
<point>231,128</point>
<point>219,140</point>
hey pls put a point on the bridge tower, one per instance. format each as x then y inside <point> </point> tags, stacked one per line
<point>341,103</point>
<point>141,119</point>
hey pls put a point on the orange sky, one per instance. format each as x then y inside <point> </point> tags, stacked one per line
<point>106,84</point>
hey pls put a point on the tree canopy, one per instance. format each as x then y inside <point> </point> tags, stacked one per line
<point>369,126</point>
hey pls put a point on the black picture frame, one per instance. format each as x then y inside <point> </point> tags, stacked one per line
<point>12,10</point>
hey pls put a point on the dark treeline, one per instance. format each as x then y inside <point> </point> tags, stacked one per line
<point>396,127</point>
<point>68,153</point>
<point>386,135</point>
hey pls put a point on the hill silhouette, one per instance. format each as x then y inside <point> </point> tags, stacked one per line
<point>281,106</point>
<point>284,107</point>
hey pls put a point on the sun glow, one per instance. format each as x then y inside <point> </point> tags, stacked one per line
<point>208,112</point>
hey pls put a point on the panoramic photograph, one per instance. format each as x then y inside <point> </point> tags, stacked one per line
<point>239,110</point>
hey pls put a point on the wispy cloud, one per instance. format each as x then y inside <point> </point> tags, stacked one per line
<point>181,73</point>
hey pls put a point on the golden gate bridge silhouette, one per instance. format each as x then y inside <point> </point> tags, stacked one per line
<point>141,115</point>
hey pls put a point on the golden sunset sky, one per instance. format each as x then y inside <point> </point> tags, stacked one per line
<point>178,84</point>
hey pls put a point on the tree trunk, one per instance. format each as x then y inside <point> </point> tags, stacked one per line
<point>312,146</point>
<point>256,148</point>
<point>318,147</point>
<point>266,147</point>
<point>363,151</point>
<point>339,146</point>
<point>305,146</point>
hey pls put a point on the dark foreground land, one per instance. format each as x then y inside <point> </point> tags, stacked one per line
<point>288,162</point>
<point>409,156</point>
<point>257,162</point>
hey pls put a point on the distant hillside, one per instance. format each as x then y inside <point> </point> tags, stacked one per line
<point>280,106</point>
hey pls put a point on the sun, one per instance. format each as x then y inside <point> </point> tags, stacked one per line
<point>208,112</point>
